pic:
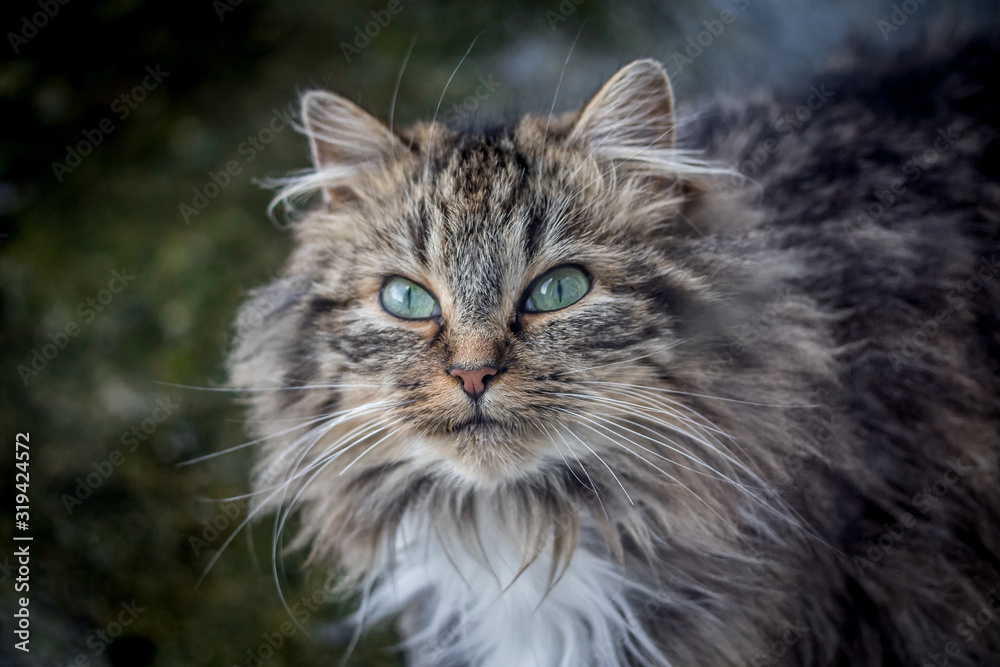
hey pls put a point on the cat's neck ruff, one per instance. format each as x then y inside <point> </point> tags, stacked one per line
<point>477,603</point>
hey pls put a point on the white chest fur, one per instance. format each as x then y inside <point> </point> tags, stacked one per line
<point>476,611</point>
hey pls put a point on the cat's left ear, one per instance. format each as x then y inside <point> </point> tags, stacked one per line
<point>345,138</point>
<point>632,112</point>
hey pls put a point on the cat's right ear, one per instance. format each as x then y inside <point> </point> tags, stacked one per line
<point>632,113</point>
<point>345,138</point>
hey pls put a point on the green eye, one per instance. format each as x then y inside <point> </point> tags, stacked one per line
<point>560,287</point>
<point>407,300</point>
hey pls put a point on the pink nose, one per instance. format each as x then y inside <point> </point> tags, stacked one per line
<point>473,379</point>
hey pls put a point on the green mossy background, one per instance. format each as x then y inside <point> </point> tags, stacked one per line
<point>229,66</point>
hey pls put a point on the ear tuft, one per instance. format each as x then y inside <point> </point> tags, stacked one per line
<point>632,112</point>
<point>344,135</point>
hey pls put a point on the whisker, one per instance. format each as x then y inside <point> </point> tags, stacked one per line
<point>232,536</point>
<point>717,398</point>
<point>598,457</point>
<point>545,136</point>
<point>675,447</point>
<point>674,408</point>
<point>591,486</point>
<point>333,451</point>
<point>706,425</point>
<point>305,442</point>
<point>320,418</point>
<point>613,363</point>
<point>676,481</point>
<point>381,440</point>
<point>395,91</point>
<point>281,517</point>
<point>337,385</point>
<point>720,476</point>
<point>357,411</point>
<point>774,504</point>
<point>317,468</point>
<point>542,427</point>
<point>650,391</point>
<point>430,135</point>
<point>669,425</point>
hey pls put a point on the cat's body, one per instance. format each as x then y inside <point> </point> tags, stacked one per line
<point>766,434</point>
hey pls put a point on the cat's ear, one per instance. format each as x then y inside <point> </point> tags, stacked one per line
<point>344,137</point>
<point>632,112</point>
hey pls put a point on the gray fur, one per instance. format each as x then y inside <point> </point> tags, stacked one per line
<point>804,468</point>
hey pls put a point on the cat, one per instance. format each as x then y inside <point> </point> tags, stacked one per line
<point>638,386</point>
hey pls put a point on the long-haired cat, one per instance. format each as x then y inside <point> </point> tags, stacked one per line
<point>610,389</point>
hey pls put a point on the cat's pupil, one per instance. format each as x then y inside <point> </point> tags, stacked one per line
<point>404,298</point>
<point>560,287</point>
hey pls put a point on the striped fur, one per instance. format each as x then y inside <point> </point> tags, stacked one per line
<point>708,460</point>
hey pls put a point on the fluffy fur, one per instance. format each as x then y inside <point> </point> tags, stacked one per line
<point>767,435</point>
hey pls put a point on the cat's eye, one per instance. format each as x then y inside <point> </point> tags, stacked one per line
<point>407,300</point>
<point>561,287</point>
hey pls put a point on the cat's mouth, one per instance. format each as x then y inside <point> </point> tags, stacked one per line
<point>485,450</point>
<point>478,424</point>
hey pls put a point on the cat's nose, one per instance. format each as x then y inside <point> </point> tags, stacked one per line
<point>473,379</point>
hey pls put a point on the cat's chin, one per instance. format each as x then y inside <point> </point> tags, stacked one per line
<point>486,455</point>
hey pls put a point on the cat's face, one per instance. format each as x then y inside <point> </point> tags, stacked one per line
<point>486,302</point>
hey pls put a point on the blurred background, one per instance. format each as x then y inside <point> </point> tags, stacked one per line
<point>134,140</point>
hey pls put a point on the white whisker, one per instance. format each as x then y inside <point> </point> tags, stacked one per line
<point>548,120</point>
<point>716,398</point>
<point>430,134</point>
<point>213,455</point>
<point>240,390</point>
<point>598,457</point>
<point>381,440</point>
<point>395,92</point>
<point>613,363</point>
<point>592,486</point>
<point>673,427</point>
<point>674,480</point>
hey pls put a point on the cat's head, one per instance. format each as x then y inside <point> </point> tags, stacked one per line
<point>482,304</point>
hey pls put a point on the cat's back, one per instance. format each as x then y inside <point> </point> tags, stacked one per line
<point>884,174</point>
<point>880,181</point>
